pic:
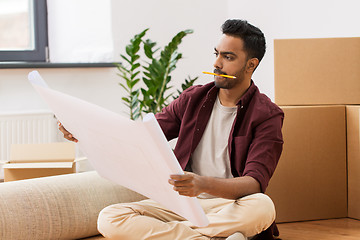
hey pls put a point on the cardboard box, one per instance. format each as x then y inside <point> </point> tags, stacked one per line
<point>353,149</point>
<point>40,160</point>
<point>317,71</point>
<point>310,180</point>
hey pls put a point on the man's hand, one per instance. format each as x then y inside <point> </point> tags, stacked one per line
<point>189,184</point>
<point>192,185</point>
<point>67,134</point>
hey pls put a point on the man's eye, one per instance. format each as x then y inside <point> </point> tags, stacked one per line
<point>216,54</point>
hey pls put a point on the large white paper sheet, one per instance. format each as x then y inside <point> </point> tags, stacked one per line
<point>133,154</point>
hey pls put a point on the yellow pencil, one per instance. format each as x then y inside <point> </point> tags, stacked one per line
<point>221,75</point>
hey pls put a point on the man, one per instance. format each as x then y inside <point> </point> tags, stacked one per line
<point>229,143</point>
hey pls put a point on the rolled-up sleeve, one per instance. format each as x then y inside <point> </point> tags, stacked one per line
<point>265,150</point>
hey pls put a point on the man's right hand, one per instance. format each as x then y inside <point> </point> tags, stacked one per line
<point>67,134</point>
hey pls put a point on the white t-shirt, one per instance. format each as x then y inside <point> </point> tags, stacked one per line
<point>211,156</point>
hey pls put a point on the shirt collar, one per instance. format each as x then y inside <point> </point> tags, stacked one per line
<point>245,99</point>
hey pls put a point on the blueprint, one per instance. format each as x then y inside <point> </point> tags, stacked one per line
<point>134,154</point>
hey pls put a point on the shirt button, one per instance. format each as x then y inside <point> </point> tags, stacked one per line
<point>242,107</point>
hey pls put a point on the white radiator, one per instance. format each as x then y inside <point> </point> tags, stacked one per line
<point>27,127</point>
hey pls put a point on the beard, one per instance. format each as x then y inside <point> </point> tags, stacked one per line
<point>225,83</point>
<point>228,83</point>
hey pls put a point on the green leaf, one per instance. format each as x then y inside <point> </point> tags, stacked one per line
<point>147,74</point>
<point>135,47</point>
<point>148,48</point>
<point>118,65</point>
<point>123,86</point>
<point>125,99</point>
<point>134,58</point>
<point>148,51</point>
<point>133,83</point>
<point>137,115</point>
<point>134,103</point>
<point>142,34</point>
<point>133,76</point>
<point>136,65</point>
<point>122,69</point>
<point>147,82</point>
<point>156,66</point>
<point>126,59</point>
<point>128,50</point>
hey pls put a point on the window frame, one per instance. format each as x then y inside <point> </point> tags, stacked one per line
<point>39,53</point>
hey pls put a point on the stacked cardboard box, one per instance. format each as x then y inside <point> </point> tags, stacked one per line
<point>317,84</point>
<point>317,71</point>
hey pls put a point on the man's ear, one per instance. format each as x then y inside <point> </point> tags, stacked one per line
<point>251,65</point>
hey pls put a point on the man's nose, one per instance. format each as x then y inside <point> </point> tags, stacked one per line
<point>217,63</point>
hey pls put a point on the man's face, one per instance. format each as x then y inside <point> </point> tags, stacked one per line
<point>230,60</point>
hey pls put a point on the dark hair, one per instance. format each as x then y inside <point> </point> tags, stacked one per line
<point>254,39</point>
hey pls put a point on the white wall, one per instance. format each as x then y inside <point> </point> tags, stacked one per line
<point>96,85</point>
<point>277,18</point>
<point>100,85</point>
<point>280,19</point>
<point>165,18</point>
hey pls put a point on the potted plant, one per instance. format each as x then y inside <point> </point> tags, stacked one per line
<point>155,73</point>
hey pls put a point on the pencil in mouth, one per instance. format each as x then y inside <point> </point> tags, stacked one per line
<point>221,75</point>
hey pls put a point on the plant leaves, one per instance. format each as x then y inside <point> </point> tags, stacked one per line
<point>123,86</point>
<point>134,66</point>
<point>126,59</point>
<point>156,73</point>
<point>134,58</point>
<point>133,76</point>
<point>128,50</point>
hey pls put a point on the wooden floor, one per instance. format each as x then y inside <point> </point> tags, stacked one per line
<point>331,229</point>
